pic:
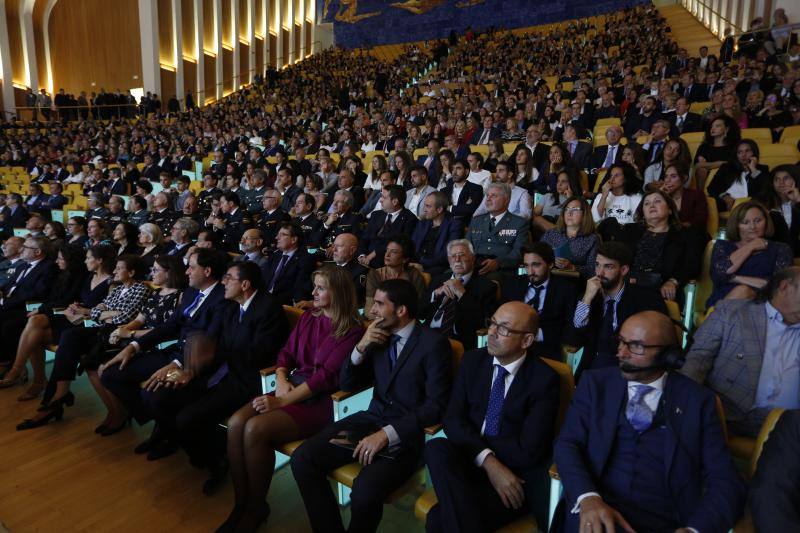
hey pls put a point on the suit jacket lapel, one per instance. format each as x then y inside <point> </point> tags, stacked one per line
<point>616,391</point>
<point>485,383</point>
<point>409,347</point>
<point>674,405</point>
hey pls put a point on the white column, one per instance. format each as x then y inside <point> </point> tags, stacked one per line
<point>313,11</point>
<point>235,44</point>
<point>302,53</point>
<point>148,36</point>
<point>251,38</point>
<point>177,47</point>
<point>265,4</point>
<point>29,46</point>
<point>279,28</point>
<point>218,47</point>
<point>290,17</point>
<point>5,64</point>
<point>199,91</point>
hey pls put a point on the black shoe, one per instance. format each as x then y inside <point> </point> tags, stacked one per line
<point>229,525</point>
<point>67,399</point>
<point>55,413</point>
<point>219,474</point>
<point>253,519</point>
<point>100,429</point>
<point>145,447</point>
<point>108,431</point>
<point>161,449</point>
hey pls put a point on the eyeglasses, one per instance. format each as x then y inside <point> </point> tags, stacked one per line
<point>29,247</point>
<point>505,331</point>
<point>572,210</point>
<point>636,347</point>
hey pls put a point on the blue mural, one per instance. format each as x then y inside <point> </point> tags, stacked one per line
<point>358,23</point>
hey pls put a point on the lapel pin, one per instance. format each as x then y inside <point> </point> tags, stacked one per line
<point>678,410</point>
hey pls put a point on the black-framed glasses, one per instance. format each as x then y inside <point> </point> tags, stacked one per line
<point>505,331</point>
<point>636,347</point>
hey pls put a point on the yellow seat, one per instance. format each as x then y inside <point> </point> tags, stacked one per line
<point>420,152</point>
<point>773,155</point>
<point>704,285</point>
<point>482,149</point>
<point>508,148</point>
<point>699,107</point>
<point>347,474</point>
<point>790,132</point>
<point>611,121</point>
<point>763,434</point>
<point>760,135</point>
<point>289,447</point>
<point>712,222</point>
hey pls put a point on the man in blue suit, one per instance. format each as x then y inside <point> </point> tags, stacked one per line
<point>410,367</point>
<point>434,230</point>
<point>642,446</point>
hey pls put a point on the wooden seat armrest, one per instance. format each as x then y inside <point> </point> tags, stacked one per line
<point>482,332</point>
<point>553,471</point>
<point>269,370</point>
<point>433,430</point>
<point>341,395</point>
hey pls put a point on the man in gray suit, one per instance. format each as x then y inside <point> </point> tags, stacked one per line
<point>251,246</point>
<point>748,352</point>
<point>498,236</point>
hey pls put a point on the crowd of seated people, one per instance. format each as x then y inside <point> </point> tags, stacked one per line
<point>488,205</point>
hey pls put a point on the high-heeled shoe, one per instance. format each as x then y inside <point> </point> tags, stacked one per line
<point>108,431</point>
<point>56,413</point>
<point>19,379</point>
<point>33,392</point>
<point>68,399</point>
<point>229,525</point>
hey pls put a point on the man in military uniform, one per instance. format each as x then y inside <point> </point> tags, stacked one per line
<point>257,189</point>
<point>272,216</point>
<point>232,221</point>
<point>162,215</point>
<point>498,236</point>
<point>306,218</point>
<point>209,188</point>
<point>343,219</point>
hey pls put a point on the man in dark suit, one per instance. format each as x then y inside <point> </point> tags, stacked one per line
<point>685,122</point>
<point>642,447</point>
<point>56,200</point>
<point>410,366</point>
<point>639,124</point>
<point>608,300</point>
<point>486,134</point>
<point>579,151</point>
<point>116,185</point>
<point>31,282</point>
<point>539,151</point>
<point>182,234</point>
<point>345,182</point>
<point>609,154</point>
<point>305,217</point>
<point>435,229</point>
<point>287,274</point>
<point>200,313</point>
<point>391,220</point>
<point>12,259</point>
<point>490,470</point>
<point>774,491</point>
<point>464,196</point>
<point>689,89</point>
<point>13,214</point>
<point>150,171</point>
<point>253,330</point>
<point>553,298</point>
<point>431,162</point>
<point>458,301</point>
<point>287,187</point>
<point>251,246</point>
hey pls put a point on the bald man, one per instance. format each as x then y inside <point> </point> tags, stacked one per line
<point>345,246</point>
<point>251,245</point>
<point>641,447</point>
<point>491,468</point>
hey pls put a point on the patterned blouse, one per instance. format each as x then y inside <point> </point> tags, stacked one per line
<point>126,300</point>
<point>159,308</point>
<point>581,251</point>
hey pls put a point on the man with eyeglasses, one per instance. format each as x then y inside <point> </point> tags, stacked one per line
<point>490,470</point>
<point>251,245</point>
<point>182,233</point>
<point>459,300</point>
<point>642,447</point>
<point>32,282</point>
<point>608,300</point>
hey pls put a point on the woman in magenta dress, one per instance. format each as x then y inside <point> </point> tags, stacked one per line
<point>307,373</point>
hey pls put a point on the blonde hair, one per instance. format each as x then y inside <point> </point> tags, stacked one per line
<point>344,302</point>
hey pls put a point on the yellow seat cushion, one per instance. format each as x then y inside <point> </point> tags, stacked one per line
<point>289,447</point>
<point>424,504</point>
<point>347,474</point>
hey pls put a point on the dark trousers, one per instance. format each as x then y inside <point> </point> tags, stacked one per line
<point>72,344</point>
<point>468,502</point>
<point>12,322</point>
<point>191,415</point>
<point>125,384</point>
<point>311,463</point>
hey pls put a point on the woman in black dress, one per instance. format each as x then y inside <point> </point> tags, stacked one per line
<point>60,313</point>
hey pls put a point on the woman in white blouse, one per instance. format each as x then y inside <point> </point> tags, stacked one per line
<point>620,196</point>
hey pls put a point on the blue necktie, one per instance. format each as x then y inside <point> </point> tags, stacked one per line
<point>496,398</point>
<point>278,271</point>
<point>638,412</point>
<point>241,313</point>
<point>393,350</point>
<point>188,311</point>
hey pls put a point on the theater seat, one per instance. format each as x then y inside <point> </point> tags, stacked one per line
<point>773,155</point>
